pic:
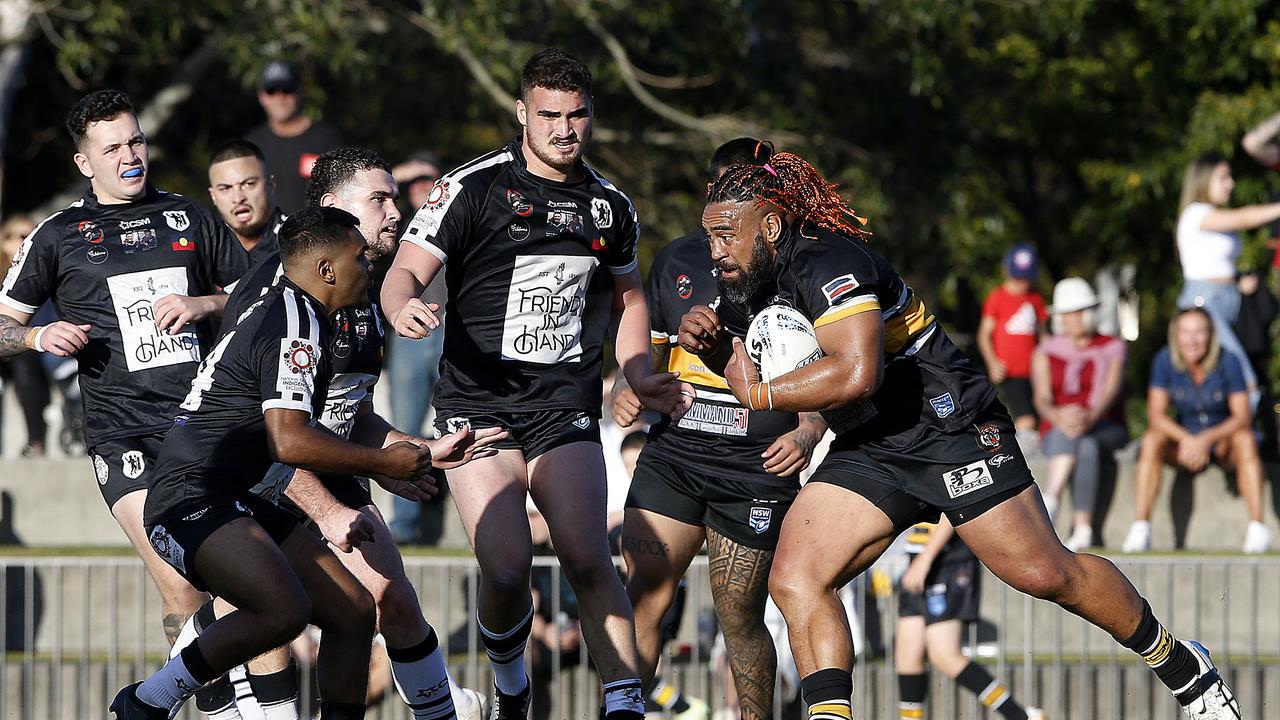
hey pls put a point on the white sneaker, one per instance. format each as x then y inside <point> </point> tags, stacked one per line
<point>1257,538</point>
<point>1139,537</point>
<point>468,704</point>
<point>1051,507</point>
<point>1081,538</point>
<point>1215,701</point>
<point>1035,714</point>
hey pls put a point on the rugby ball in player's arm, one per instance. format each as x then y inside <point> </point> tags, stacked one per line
<point>781,339</point>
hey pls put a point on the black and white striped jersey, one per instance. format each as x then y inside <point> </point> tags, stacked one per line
<point>529,265</point>
<point>276,357</point>
<point>106,266</point>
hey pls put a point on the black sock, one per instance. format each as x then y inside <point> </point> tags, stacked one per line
<point>341,711</point>
<point>215,696</point>
<point>1172,662</point>
<point>827,694</point>
<point>205,617</point>
<point>666,697</point>
<point>197,665</point>
<point>912,690</point>
<point>275,688</point>
<point>990,691</point>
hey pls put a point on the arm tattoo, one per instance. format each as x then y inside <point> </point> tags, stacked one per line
<point>13,337</point>
<point>739,587</point>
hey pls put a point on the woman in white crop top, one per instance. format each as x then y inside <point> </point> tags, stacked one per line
<point>1208,248</point>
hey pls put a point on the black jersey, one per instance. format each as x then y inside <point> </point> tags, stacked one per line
<point>718,433</point>
<point>356,341</point>
<point>106,265</point>
<point>529,304</point>
<point>275,357</point>
<point>918,536</point>
<point>269,242</point>
<point>928,383</point>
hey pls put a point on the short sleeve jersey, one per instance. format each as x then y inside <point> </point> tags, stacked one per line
<point>1018,319</point>
<point>529,265</point>
<point>1199,407</point>
<point>269,243</point>
<point>718,434</point>
<point>928,383</point>
<point>355,347</point>
<point>106,266</point>
<point>275,357</point>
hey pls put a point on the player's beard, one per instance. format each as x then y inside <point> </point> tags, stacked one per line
<point>751,279</point>
<point>556,160</point>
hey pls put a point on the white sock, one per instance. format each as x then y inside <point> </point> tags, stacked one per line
<point>246,702</point>
<point>186,636</point>
<point>169,687</point>
<point>508,662</point>
<point>422,680</point>
<point>227,713</point>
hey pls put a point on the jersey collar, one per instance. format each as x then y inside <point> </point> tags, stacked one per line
<point>91,198</point>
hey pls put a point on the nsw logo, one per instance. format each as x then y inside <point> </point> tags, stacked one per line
<point>964,480</point>
<point>943,405</point>
<point>582,422</point>
<point>760,519</point>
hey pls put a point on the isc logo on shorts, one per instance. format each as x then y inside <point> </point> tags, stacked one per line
<point>964,480</point>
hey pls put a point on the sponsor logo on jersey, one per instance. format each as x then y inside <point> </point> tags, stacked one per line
<point>97,255</point>
<point>964,480</point>
<point>839,289</point>
<point>100,469</point>
<point>134,295</point>
<point>299,357</point>
<point>518,230</point>
<point>601,213</point>
<point>684,286</point>
<point>564,222</point>
<point>999,460</point>
<point>522,207</point>
<point>182,244</point>
<point>17,257</point>
<point>341,343</point>
<point>168,548</point>
<point>133,464</point>
<point>296,372</point>
<point>90,231</point>
<point>943,405</point>
<point>130,224</point>
<point>138,240</point>
<point>582,422</point>
<point>568,204</point>
<point>760,518</point>
<point>989,437</point>
<point>177,219</point>
<point>726,420</point>
<point>545,304</point>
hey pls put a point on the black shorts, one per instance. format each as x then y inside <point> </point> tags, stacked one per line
<point>178,534</point>
<point>124,465</point>
<point>964,473</point>
<point>748,513</point>
<point>534,433</point>
<point>1017,396</point>
<point>951,592</point>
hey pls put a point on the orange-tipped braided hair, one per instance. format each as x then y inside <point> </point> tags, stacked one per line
<point>795,186</point>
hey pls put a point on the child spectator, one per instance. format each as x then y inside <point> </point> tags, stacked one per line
<point>1012,318</point>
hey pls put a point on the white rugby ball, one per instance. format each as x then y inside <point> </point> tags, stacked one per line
<point>781,339</point>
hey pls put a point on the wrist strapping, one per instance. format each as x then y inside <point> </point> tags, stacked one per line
<point>759,396</point>
<point>34,335</point>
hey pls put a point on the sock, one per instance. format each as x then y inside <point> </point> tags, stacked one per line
<point>623,696</point>
<point>464,703</point>
<point>990,692</point>
<point>218,700</point>
<point>246,703</point>
<point>1172,662</point>
<point>189,632</point>
<point>277,693</point>
<point>912,690</point>
<point>177,680</point>
<point>827,694</point>
<point>341,711</point>
<point>667,697</point>
<point>421,678</point>
<point>506,654</point>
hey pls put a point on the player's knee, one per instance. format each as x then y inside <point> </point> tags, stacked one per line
<point>398,603</point>
<point>587,570</point>
<point>508,580</point>
<point>288,619</point>
<point>788,583</point>
<point>1044,578</point>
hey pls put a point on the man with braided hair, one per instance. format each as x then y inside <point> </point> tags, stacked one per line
<point>919,432</point>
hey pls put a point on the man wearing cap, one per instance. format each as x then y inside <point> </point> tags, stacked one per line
<point>1012,318</point>
<point>413,366</point>
<point>290,140</point>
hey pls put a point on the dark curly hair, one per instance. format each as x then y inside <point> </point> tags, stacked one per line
<point>97,106</point>
<point>315,227</point>
<point>555,69</point>
<point>795,186</point>
<point>336,168</point>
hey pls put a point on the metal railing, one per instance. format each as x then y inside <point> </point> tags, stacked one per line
<point>76,629</point>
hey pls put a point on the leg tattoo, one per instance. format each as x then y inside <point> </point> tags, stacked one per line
<point>740,587</point>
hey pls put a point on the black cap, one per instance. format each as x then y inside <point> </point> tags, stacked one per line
<point>280,75</point>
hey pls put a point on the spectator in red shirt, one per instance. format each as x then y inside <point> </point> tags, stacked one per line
<point>1077,376</point>
<point>1013,316</point>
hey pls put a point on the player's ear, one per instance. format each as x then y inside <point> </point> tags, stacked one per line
<point>328,200</point>
<point>82,162</point>
<point>772,225</point>
<point>324,268</point>
<point>522,113</point>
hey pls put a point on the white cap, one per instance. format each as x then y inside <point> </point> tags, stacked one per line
<point>1072,294</point>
